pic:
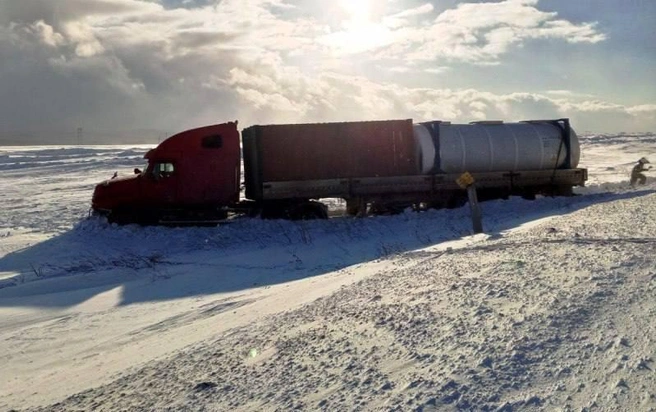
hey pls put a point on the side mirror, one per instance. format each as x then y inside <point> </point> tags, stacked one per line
<point>137,171</point>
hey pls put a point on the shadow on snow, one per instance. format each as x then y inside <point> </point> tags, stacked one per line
<point>157,263</point>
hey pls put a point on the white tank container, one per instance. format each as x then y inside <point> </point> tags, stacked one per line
<point>493,147</point>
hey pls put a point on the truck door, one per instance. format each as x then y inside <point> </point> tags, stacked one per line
<point>161,184</point>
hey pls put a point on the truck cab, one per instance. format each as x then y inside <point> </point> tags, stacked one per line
<point>191,175</point>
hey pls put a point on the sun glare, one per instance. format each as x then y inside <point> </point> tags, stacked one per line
<point>359,32</point>
<point>359,11</point>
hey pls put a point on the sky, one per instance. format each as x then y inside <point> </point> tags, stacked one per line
<point>118,66</point>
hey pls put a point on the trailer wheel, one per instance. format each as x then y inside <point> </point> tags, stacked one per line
<point>273,212</point>
<point>254,212</point>
<point>356,206</point>
<point>561,190</point>
<point>309,211</point>
<point>388,209</point>
<point>528,196</point>
<point>456,200</point>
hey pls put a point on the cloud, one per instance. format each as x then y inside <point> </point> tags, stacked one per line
<point>646,109</point>
<point>46,34</point>
<point>481,33</point>
<point>400,19</point>
<point>173,65</point>
<point>163,67</point>
<point>338,97</point>
<point>437,70</point>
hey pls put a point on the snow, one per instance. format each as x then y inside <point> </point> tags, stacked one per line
<point>552,308</point>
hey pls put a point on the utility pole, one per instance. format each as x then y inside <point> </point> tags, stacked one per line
<point>79,136</point>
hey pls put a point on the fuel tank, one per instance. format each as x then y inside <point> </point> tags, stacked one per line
<point>495,146</point>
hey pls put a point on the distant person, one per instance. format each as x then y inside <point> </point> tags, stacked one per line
<point>636,173</point>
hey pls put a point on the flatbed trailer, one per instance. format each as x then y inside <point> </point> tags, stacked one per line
<point>427,186</point>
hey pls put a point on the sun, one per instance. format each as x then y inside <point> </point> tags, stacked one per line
<point>359,31</point>
<point>359,11</point>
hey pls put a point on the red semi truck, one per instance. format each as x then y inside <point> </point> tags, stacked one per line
<point>376,166</point>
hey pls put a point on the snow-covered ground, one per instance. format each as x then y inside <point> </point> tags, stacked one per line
<point>553,308</point>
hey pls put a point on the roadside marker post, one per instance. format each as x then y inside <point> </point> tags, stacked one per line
<point>466,181</point>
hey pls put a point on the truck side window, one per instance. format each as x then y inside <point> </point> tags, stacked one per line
<point>163,169</point>
<point>212,142</point>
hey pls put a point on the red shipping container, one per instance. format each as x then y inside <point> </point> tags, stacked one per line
<point>297,152</point>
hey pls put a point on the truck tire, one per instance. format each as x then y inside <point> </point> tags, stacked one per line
<point>126,216</point>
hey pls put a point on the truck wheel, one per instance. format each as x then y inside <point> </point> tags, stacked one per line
<point>120,217</point>
<point>142,217</point>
